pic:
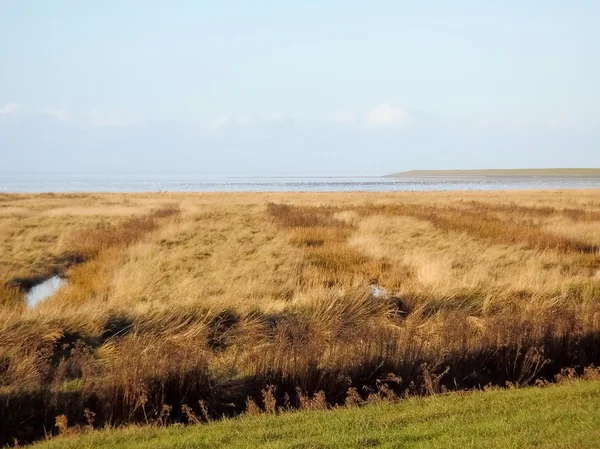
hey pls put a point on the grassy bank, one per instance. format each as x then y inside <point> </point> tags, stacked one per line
<point>502,173</point>
<point>191,306</point>
<point>552,417</point>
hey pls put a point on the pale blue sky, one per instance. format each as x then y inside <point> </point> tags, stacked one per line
<point>308,87</point>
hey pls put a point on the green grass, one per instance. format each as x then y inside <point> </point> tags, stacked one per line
<point>566,415</point>
<point>502,173</point>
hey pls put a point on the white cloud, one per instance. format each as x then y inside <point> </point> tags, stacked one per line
<point>59,114</point>
<point>243,120</point>
<point>9,109</point>
<point>385,114</point>
<point>109,119</point>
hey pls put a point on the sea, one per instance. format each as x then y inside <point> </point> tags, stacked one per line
<point>191,183</point>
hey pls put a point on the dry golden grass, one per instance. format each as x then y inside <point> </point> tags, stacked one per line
<point>37,231</point>
<point>175,298</point>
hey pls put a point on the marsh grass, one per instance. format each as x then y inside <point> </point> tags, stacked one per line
<point>515,209</point>
<point>323,234</point>
<point>84,246</point>
<point>90,242</point>
<point>480,223</point>
<point>234,304</point>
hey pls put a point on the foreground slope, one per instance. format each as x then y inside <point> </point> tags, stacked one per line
<point>564,415</point>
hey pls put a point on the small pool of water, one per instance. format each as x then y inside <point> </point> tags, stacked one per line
<point>44,290</point>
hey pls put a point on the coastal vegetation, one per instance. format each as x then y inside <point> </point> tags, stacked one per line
<point>184,308</point>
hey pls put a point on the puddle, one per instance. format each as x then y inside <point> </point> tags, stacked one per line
<point>44,290</point>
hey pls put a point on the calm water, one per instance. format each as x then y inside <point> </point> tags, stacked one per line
<point>44,290</point>
<point>228,184</point>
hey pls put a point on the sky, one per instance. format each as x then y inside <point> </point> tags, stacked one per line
<point>297,88</point>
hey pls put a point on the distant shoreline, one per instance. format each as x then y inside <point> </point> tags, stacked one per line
<point>523,173</point>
